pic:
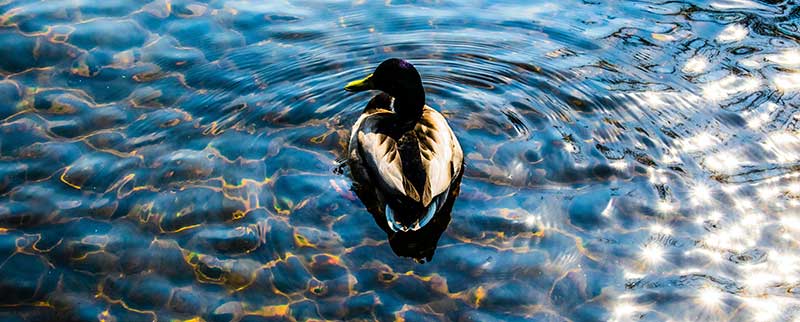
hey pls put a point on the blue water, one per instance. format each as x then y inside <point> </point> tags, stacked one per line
<point>174,160</point>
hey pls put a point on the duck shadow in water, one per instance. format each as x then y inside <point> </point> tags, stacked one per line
<point>419,245</point>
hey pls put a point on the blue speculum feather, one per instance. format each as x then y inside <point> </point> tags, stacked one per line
<point>397,226</point>
<point>625,160</point>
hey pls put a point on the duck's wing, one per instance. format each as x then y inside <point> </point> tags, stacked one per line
<point>419,163</point>
<point>440,153</point>
<point>379,152</point>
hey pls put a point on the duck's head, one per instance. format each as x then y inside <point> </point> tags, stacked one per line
<point>399,79</point>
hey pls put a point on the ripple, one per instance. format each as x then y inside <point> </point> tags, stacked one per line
<point>172,160</point>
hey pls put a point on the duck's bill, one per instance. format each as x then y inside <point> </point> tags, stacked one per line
<point>360,85</point>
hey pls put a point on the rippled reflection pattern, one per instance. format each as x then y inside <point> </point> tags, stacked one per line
<point>174,160</point>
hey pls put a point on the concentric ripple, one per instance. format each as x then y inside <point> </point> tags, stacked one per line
<point>179,160</point>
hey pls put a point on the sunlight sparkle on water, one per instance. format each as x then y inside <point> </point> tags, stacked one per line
<point>695,65</point>
<point>793,188</point>
<point>786,264</point>
<point>787,82</point>
<point>758,277</point>
<point>729,189</point>
<point>790,222</point>
<point>655,99</point>
<point>735,32</point>
<point>652,253</point>
<point>532,220</point>
<point>758,120</point>
<point>215,136</point>
<point>631,275</point>
<point>700,194</point>
<point>784,144</point>
<point>699,142</point>
<point>743,204</point>
<point>710,297</point>
<point>783,137</point>
<point>768,193</point>
<point>764,308</point>
<point>752,219</point>
<point>717,240</point>
<point>665,207</point>
<point>789,57</point>
<point>723,162</point>
<point>670,158</point>
<point>624,311</point>
<point>738,4</point>
<point>752,63</point>
<point>619,164</point>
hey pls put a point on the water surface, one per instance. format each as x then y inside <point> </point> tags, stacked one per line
<point>177,160</point>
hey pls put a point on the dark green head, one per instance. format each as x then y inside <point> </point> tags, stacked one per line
<point>399,79</point>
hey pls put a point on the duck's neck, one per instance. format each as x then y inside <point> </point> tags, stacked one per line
<point>409,106</point>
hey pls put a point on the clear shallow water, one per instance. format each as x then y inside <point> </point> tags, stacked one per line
<point>626,160</point>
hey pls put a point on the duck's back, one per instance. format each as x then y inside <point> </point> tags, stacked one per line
<point>417,160</point>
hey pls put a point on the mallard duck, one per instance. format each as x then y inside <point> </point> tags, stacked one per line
<point>403,148</point>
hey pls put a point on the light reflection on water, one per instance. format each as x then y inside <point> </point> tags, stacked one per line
<point>626,160</point>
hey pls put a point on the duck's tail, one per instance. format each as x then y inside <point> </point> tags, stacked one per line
<point>395,225</point>
<point>426,215</point>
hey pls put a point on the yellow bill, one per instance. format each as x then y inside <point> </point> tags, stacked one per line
<point>360,85</point>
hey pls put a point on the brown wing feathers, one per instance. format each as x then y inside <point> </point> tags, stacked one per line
<point>418,162</point>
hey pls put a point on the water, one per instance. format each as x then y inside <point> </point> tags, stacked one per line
<point>625,160</point>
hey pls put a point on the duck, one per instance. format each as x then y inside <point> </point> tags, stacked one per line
<point>403,149</point>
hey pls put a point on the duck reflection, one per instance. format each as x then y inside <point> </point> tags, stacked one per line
<point>405,160</point>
